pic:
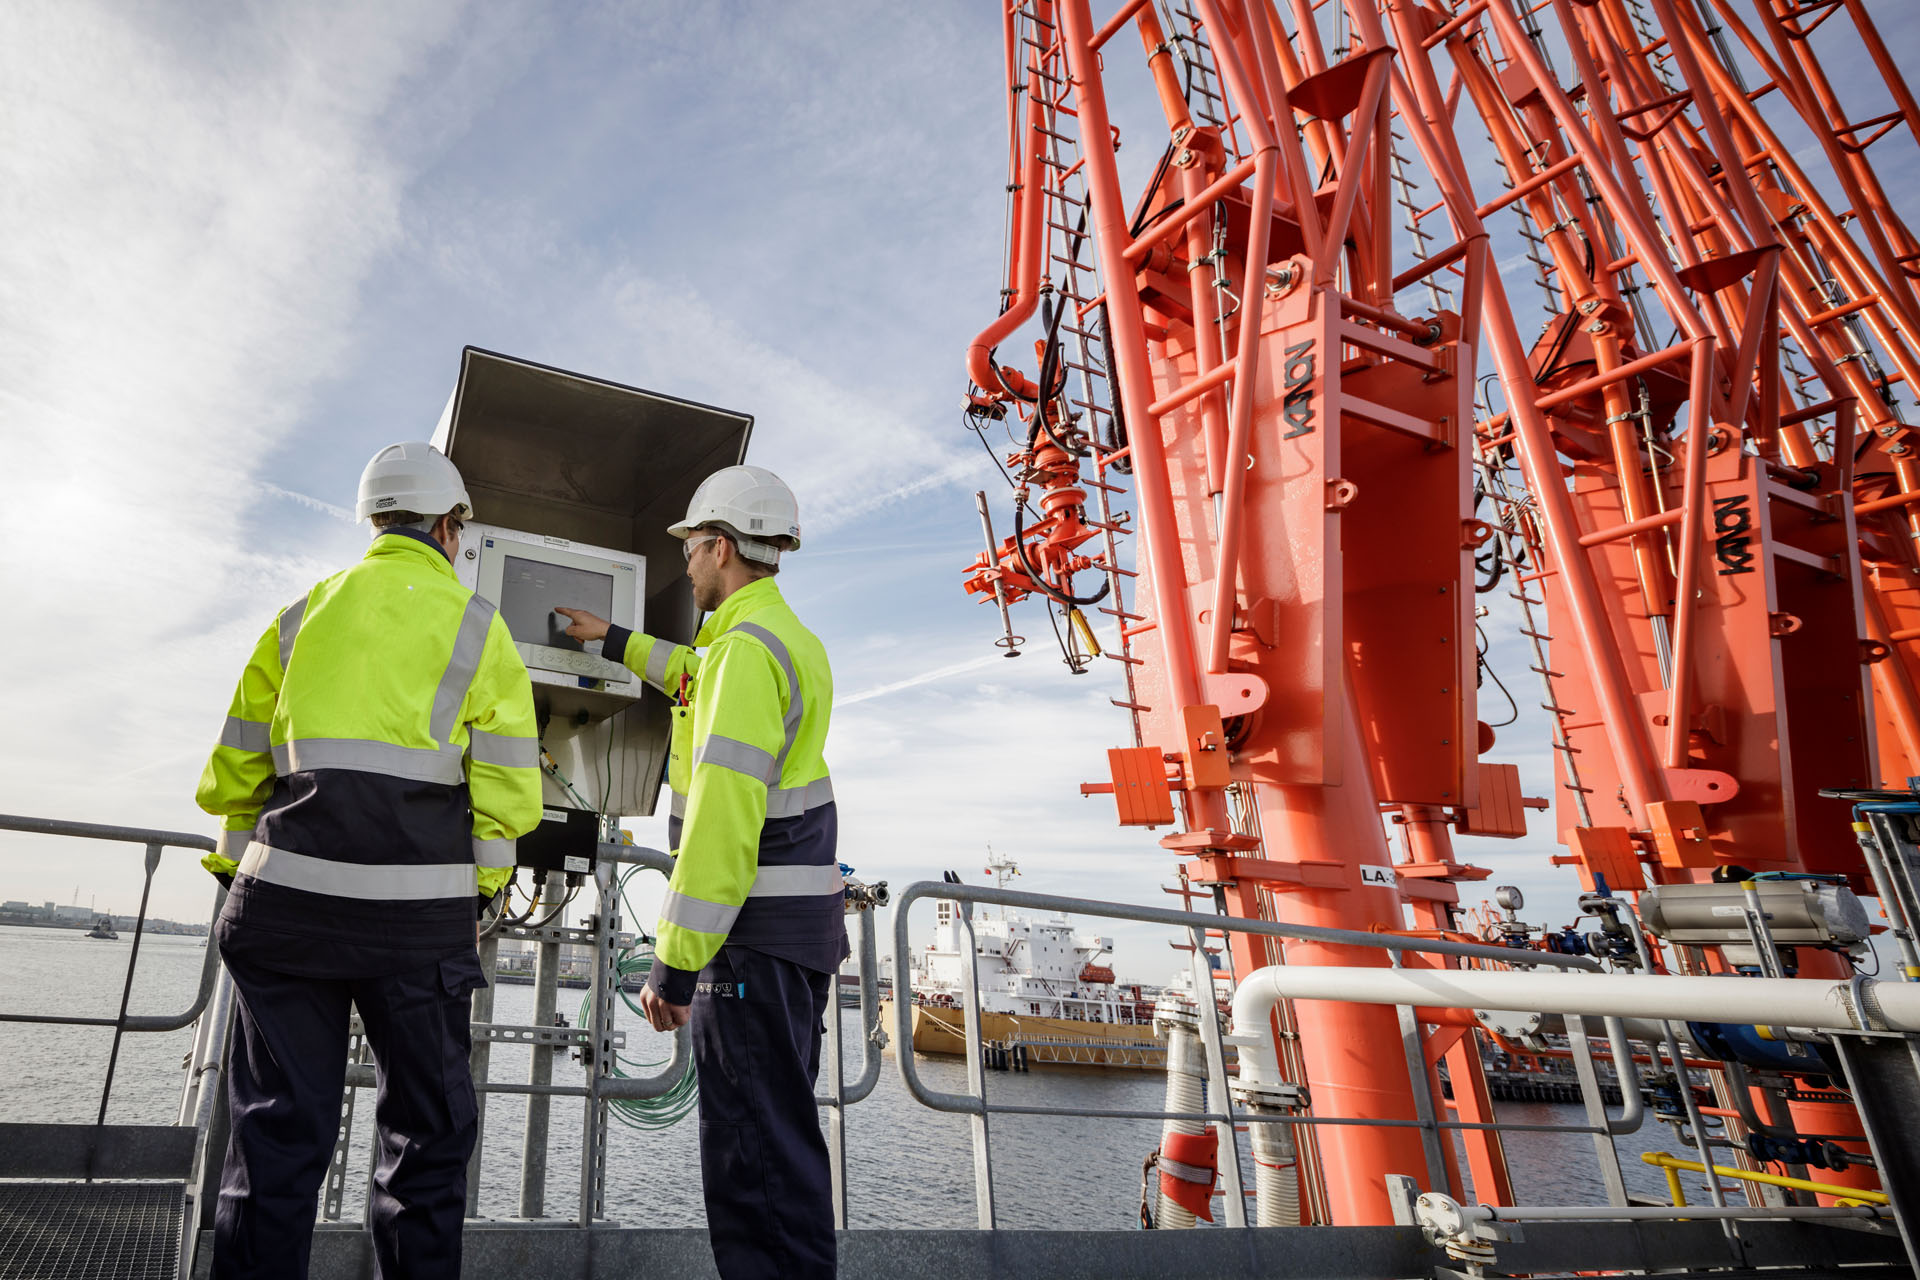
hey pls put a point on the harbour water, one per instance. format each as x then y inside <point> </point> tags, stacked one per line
<point>908,1166</point>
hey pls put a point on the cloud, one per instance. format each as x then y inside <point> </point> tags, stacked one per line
<point>193,200</point>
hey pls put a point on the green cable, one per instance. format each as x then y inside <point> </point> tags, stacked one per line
<point>673,1106</point>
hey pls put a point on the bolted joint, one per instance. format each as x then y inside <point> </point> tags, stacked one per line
<point>1269,1095</point>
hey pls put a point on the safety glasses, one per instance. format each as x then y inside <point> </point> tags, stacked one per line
<point>686,548</point>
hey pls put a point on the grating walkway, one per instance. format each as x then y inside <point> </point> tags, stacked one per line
<point>90,1231</point>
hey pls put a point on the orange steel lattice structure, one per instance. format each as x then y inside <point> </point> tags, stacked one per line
<point>1695,479</point>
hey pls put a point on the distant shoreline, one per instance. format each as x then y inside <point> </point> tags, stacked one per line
<point>153,928</point>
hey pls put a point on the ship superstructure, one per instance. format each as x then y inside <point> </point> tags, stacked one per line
<point>1035,967</point>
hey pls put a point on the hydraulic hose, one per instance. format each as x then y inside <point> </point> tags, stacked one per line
<point>1050,373</point>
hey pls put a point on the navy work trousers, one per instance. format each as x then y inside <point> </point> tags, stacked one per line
<point>757,1023</point>
<point>286,1074</point>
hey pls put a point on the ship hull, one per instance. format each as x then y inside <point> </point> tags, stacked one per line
<point>1049,1042</point>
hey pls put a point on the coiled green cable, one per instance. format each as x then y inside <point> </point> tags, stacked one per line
<point>673,1106</point>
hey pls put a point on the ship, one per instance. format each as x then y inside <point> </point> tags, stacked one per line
<point>103,928</point>
<point>1047,995</point>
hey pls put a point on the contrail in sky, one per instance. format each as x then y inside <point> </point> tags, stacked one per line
<point>315,504</point>
<point>925,677</point>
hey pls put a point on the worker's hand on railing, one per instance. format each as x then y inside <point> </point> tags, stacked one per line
<point>586,626</point>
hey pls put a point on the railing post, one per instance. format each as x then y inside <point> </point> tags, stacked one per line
<point>836,1111</point>
<point>533,1146</point>
<point>479,1061</point>
<point>1220,1095</point>
<point>126,991</point>
<point>602,990</point>
<point>976,1070</point>
<point>1596,1105</point>
<point>1426,1107</point>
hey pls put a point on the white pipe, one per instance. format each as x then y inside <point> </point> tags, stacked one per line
<point>1276,1178</point>
<point>1798,1002</point>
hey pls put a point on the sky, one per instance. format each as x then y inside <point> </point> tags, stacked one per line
<point>244,245</point>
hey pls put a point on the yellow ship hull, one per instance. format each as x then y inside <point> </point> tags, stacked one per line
<point>1049,1042</point>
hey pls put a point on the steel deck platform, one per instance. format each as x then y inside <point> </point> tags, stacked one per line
<point>90,1230</point>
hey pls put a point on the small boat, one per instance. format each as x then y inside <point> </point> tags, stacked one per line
<point>103,928</point>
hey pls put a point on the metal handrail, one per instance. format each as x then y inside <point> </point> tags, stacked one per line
<point>974,1103</point>
<point>155,841</point>
<point>968,1105</point>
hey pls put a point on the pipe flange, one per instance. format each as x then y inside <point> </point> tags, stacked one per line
<point>1514,1024</point>
<point>1174,1015</point>
<point>1440,1218</point>
<point>1269,1095</point>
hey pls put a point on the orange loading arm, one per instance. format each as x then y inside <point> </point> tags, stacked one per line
<point>1715,527</point>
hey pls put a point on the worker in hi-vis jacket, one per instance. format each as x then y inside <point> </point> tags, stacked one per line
<point>752,930</point>
<point>378,762</point>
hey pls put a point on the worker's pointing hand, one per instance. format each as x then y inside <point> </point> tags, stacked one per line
<point>586,626</point>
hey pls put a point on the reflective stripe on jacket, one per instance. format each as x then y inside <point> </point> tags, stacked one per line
<point>381,746</point>
<point>752,821</point>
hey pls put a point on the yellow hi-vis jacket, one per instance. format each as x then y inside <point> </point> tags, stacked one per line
<point>380,747</point>
<point>752,822</point>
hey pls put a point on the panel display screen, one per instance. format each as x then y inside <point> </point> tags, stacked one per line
<point>529,589</point>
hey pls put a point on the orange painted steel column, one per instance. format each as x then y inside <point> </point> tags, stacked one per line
<point>1560,529</point>
<point>1159,534</point>
<point>1252,295</point>
<point>1354,1066</point>
<point>1892,680</point>
<point>1207,335</point>
<point>1109,224</point>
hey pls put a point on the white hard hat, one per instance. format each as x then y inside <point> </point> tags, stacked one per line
<point>754,504</point>
<point>412,476</point>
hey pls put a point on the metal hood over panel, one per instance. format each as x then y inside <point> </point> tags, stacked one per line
<point>550,451</point>
<point>564,455</point>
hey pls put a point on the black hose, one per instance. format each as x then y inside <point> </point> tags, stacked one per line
<point>1026,565</point>
<point>1049,368</point>
<point>1117,429</point>
<point>1153,189</point>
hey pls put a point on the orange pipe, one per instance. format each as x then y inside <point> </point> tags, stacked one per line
<point>1246,361</point>
<point>1686,606</point>
<point>1030,240</point>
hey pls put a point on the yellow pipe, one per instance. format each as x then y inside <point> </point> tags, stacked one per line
<point>1078,621</point>
<point>1678,1192</point>
<point>1662,1160</point>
